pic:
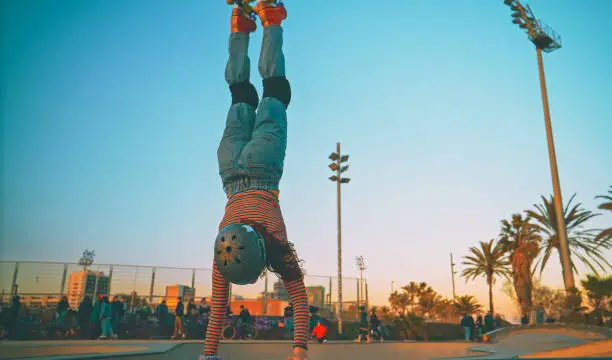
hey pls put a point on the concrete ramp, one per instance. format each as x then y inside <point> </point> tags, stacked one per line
<point>520,342</point>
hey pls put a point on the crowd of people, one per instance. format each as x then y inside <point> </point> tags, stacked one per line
<point>475,329</point>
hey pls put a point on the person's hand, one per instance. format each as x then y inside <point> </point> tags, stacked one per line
<point>298,354</point>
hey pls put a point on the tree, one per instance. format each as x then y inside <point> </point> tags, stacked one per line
<point>399,302</point>
<point>467,304</point>
<point>581,241</point>
<point>520,239</point>
<point>598,290</point>
<point>445,309</point>
<point>413,291</point>
<point>606,234</point>
<point>489,262</point>
<point>551,301</point>
<point>87,259</point>
<point>427,302</point>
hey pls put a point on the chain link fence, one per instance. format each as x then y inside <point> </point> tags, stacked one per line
<point>42,284</point>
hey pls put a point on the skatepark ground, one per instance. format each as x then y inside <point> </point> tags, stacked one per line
<point>518,343</point>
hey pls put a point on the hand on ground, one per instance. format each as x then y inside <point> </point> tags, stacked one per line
<point>298,354</point>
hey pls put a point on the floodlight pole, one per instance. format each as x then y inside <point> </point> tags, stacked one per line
<point>336,166</point>
<point>339,208</point>
<point>545,39</point>
<point>566,262</point>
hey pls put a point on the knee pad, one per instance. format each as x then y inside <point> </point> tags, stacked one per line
<point>278,87</point>
<point>244,92</point>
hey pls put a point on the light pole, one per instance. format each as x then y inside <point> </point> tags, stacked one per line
<point>453,275</point>
<point>547,40</point>
<point>360,261</point>
<point>337,167</point>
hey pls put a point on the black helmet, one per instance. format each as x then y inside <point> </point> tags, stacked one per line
<point>240,254</point>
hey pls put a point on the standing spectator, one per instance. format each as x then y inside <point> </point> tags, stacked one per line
<point>288,315</point>
<point>498,321</point>
<point>204,310</point>
<point>106,315</point>
<point>314,317</point>
<point>479,325</point>
<point>117,313</point>
<point>525,320</point>
<point>61,309</point>
<point>467,322</point>
<point>376,326</point>
<point>84,316</point>
<point>244,322</point>
<point>489,322</point>
<point>179,313</point>
<point>13,316</point>
<point>161,313</point>
<point>96,328</point>
<point>363,325</point>
<point>203,307</point>
<point>192,309</point>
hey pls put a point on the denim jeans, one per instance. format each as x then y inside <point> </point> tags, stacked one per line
<point>107,330</point>
<point>467,332</point>
<point>251,153</point>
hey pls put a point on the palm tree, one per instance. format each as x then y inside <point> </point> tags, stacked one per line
<point>428,301</point>
<point>467,304</point>
<point>489,262</point>
<point>414,290</point>
<point>445,309</point>
<point>606,234</point>
<point>520,239</point>
<point>581,242</point>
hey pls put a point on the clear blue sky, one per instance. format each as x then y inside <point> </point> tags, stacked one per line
<point>112,112</point>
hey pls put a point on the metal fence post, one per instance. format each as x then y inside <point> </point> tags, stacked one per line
<point>63,286</point>
<point>330,292</point>
<point>265,307</point>
<point>358,295</point>
<point>367,299</point>
<point>152,286</point>
<point>193,273</point>
<point>14,287</point>
<point>110,279</point>
<point>96,285</point>
<point>358,304</point>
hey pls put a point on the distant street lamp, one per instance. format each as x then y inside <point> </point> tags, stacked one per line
<point>360,262</point>
<point>337,167</point>
<point>544,38</point>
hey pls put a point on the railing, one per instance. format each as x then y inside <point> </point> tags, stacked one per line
<point>42,284</point>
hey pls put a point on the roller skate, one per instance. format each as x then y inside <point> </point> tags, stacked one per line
<point>243,16</point>
<point>270,12</point>
<point>210,357</point>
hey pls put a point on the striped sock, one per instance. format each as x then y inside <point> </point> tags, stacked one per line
<point>220,297</point>
<point>297,293</point>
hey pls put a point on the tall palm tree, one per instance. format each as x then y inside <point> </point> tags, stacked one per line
<point>581,241</point>
<point>488,261</point>
<point>520,240</point>
<point>606,234</point>
<point>467,304</point>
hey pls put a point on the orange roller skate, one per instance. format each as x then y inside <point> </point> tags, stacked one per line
<point>243,16</point>
<point>271,12</point>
